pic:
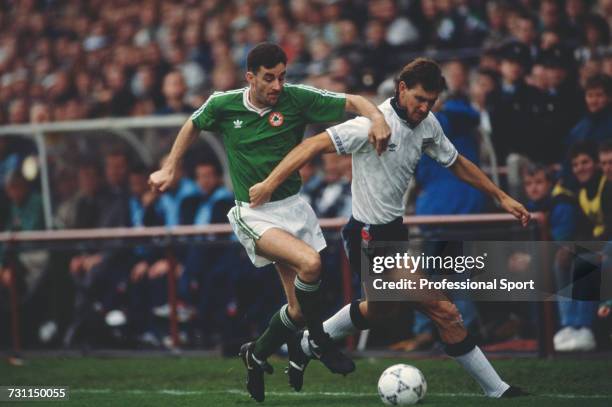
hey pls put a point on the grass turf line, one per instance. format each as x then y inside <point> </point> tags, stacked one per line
<point>220,382</point>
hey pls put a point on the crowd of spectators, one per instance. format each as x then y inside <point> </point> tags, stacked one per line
<point>529,88</point>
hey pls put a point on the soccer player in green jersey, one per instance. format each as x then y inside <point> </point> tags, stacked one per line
<point>260,125</point>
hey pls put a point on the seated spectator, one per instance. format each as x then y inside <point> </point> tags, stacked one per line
<point>26,209</point>
<point>205,275</point>
<point>333,197</point>
<point>28,266</point>
<point>605,161</point>
<point>142,200</point>
<point>559,204</point>
<point>174,90</point>
<point>168,206</point>
<point>139,289</point>
<point>578,312</point>
<point>100,277</point>
<point>212,202</point>
<point>83,209</point>
<point>596,125</point>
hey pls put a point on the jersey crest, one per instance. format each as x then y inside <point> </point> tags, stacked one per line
<point>276,119</point>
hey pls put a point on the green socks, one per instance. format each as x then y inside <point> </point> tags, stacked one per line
<point>279,329</point>
<point>310,298</point>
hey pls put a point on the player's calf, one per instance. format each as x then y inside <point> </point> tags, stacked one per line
<point>447,319</point>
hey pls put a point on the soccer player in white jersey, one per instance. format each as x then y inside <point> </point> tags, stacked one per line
<point>378,187</point>
<point>260,124</point>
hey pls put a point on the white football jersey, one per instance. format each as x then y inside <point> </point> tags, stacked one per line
<point>380,182</point>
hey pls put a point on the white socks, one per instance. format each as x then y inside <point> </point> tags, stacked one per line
<point>477,365</point>
<point>338,326</point>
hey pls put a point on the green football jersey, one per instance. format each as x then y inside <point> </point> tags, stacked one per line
<point>256,140</point>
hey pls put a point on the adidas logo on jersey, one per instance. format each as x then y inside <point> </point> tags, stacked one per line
<point>237,124</point>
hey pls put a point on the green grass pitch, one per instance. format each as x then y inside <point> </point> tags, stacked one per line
<point>197,381</point>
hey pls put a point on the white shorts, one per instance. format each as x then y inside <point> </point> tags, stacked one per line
<point>291,214</point>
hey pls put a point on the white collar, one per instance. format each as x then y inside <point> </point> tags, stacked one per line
<point>249,106</point>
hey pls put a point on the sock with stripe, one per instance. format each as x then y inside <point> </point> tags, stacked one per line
<point>343,323</point>
<point>471,358</point>
<point>280,327</point>
<point>310,298</point>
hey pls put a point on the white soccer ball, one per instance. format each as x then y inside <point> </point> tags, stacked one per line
<point>401,385</point>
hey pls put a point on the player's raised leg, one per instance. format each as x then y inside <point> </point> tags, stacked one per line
<point>286,250</point>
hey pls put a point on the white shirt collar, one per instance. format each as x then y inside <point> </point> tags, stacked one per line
<point>249,106</point>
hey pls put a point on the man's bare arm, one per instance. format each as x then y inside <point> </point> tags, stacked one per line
<point>166,177</point>
<point>380,132</point>
<point>305,151</point>
<point>466,171</point>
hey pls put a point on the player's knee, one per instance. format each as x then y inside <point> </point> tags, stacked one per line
<point>310,269</point>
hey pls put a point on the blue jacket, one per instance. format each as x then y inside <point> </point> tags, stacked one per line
<point>442,192</point>
<point>562,214</point>
<point>593,127</point>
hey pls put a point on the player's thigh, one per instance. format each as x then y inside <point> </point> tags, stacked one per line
<point>282,247</point>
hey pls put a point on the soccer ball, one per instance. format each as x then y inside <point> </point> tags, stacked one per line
<point>401,385</point>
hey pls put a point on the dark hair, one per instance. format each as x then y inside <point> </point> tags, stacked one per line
<point>267,55</point>
<point>491,74</point>
<point>139,169</point>
<point>211,163</point>
<point>526,15</point>
<point>605,146</point>
<point>598,23</point>
<point>89,162</point>
<point>116,151</point>
<point>599,81</point>
<point>583,147</point>
<point>533,168</point>
<point>424,72</point>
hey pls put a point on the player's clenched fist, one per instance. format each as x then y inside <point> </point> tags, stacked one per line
<point>259,194</point>
<point>162,180</point>
<point>516,209</point>
<point>379,134</point>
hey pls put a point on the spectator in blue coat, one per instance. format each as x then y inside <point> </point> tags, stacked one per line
<point>439,187</point>
<point>558,203</point>
<point>596,125</point>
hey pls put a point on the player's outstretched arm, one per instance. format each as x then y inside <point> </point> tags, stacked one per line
<point>261,192</point>
<point>466,171</point>
<point>380,133</point>
<point>166,177</point>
